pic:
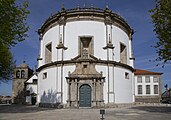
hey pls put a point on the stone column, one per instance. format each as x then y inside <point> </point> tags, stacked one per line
<point>94,93</point>
<point>69,98</point>
<point>76,94</point>
<point>101,92</point>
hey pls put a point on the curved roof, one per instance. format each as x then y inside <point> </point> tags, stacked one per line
<point>145,72</point>
<point>75,14</point>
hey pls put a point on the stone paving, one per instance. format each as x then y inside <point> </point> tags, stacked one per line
<point>20,112</point>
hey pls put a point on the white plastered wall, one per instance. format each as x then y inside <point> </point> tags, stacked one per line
<point>152,83</point>
<point>120,88</point>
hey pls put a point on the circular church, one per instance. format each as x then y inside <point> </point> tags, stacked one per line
<point>85,59</point>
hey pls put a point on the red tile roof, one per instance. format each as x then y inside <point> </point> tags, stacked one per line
<point>145,72</point>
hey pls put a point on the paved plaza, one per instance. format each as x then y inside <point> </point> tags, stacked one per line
<point>143,112</point>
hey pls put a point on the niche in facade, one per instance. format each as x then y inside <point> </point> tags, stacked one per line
<point>123,54</point>
<point>85,47</point>
<point>48,53</point>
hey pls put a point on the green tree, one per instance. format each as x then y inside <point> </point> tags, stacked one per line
<point>13,28</point>
<point>6,63</point>
<point>161,18</point>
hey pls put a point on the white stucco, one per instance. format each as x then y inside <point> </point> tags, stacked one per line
<point>144,83</point>
<point>31,87</point>
<point>120,88</point>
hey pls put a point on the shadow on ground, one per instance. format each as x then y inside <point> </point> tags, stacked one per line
<point>159,109</point>
<point>14,108</point>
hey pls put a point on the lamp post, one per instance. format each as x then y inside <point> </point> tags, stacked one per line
<point>102,112</point>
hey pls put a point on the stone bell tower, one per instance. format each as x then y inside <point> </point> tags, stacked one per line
<point>21,74</point>
<point>85,84</point>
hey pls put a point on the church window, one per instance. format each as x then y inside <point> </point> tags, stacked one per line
<point>147,89</point>
<point>85,47</point>
<point>139,89</point>
<point>126,75</point>
<point>48,53</point>
<point>45,75</point>
<point>139,79</point>
<point>156,89</point>
<point>28,93</point>
<point>35,81</point>
<point>147,79</point>
<point>123,53</point>
<point>18,74</point>
<point>22,74</point>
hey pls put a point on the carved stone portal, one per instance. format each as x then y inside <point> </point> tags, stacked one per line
<point>85,75</point>
<point>85,84</point>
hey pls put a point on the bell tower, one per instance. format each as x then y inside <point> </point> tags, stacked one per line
<point>21,74</point>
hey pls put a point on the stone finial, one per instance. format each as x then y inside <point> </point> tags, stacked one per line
<point>84,5</point>
<point>107,7</point>
<point>35,68</point>
<point>91,5</point>
<point>63,8</point>
<point>78,6</point>
<point>41,36</point>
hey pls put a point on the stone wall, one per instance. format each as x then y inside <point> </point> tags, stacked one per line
<point>148,99</point>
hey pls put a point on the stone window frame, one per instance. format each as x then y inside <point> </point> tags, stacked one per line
<point>138,79</point>
<point>147,79</point>
<point>148,89</point>
<point>156,90</point>
<point>91,46</point>
<point>124,51</point>
<point>139,89</point>
<point>126,75</point>
<point>46,48</point>
<point>155,79</point>
<point>44,75</point>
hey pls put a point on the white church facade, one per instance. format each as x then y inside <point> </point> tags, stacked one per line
<point>85,60</point>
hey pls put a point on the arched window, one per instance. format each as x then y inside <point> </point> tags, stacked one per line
<point>18,74</point>
<point>22,74</point>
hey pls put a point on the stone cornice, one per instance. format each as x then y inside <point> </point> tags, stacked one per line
<point>91,14</point>
<point>73,62</point>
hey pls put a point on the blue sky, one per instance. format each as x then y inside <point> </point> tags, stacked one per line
<point>135,12</point>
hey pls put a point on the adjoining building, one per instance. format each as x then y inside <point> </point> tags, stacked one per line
<point>31,89</point>
<point>148,86</point>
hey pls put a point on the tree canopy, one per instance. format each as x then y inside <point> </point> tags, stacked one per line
<point>6,63</point>
<point>13,22</point>
<point>13,28</point>
<point>161,18</point>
